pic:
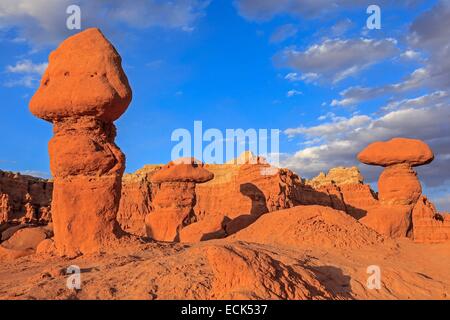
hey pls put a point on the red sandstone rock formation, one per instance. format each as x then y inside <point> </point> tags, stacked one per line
<point>82,92</point>
<point>24,242</point>
<point>242,187</point>
<point>240,193</point>
<point>237,196</point>
<point>397,151</point>
<point>339,176</point>
<point>243,273</point>
<point>342,189</point>
<point>398,185</point>
<point>309,226</point>
<point>46,247</point>
<point>22,196</point>
<point>428,225</point>
<point>175,198</point>
<point>5,208</point>
<point>136,200</point>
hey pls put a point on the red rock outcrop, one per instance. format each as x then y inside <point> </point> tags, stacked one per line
<point>428,225</point>
<point>82,92</point>
<point>5,208</point>
<point>236,196</point>
<point>241,192</point>
<point>397,151</point>
<point>174,198</point>
<point>46,247</point>
<point>136,200</point>
<point>23,196</point>
<point>24,242</point>
<point>306,226</point>
<point>398,185</point>
<point>243,273</point>
<point>339,176</point>
<point>243,189</point>
<point>341,189</point>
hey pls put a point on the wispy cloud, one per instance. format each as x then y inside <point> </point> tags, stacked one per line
<point>430,34</point>
<point>43,22</point>
<point>293,93</point>
<point>337,142</point>
<point>24,73</point>
<point>283,33</point>
<point>258,10</point>
<point>27,66</point>
<point>337,59</point>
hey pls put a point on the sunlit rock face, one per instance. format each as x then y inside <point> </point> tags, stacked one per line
<point>82,92</point>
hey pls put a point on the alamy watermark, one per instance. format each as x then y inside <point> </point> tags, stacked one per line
<point>216,147</point>
<point>374,279</point>
<point>73,21</point>
<point>374,20</point>
<point>74,280</point>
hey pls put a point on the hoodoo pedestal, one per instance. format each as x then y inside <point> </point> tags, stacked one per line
<point>83,91</point>
<point>175,198</point>
<point>398,185</point>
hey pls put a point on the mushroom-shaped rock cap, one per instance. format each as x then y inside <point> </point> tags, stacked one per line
<point>183,170</point>
<point>396,151</point>
<point>84,78</point>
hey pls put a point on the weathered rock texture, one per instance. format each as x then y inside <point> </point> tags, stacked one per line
<point>309,226</point>
<point>234,198</point>
<point>24,241</point>
<point>243,189</point>
<point>428,225</point>
<point>174,198</point>
<point>136,199</point>
<point>241,192</point>
<point>338,176</point>
<point>397,151</point>
<point>398,185</point>
<point>342,189</point>
<point>243,273</point>
<point>82,92</point>
<point>24,198</point>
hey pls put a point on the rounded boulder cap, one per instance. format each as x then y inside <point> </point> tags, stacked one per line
<point>183,170</point>
<point>84,77</point>
<point>396,151</point>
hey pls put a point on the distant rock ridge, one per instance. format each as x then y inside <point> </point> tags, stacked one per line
<point>339,176</point>
<point>429,226</point>
<point>247,157</point>
<point>240,193</point>
<point>24,199</point>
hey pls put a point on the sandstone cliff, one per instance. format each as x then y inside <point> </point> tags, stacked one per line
<point>24,199</point>
<point>240,192</point>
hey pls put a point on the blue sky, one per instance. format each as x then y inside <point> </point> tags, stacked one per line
<point>233,64</point>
